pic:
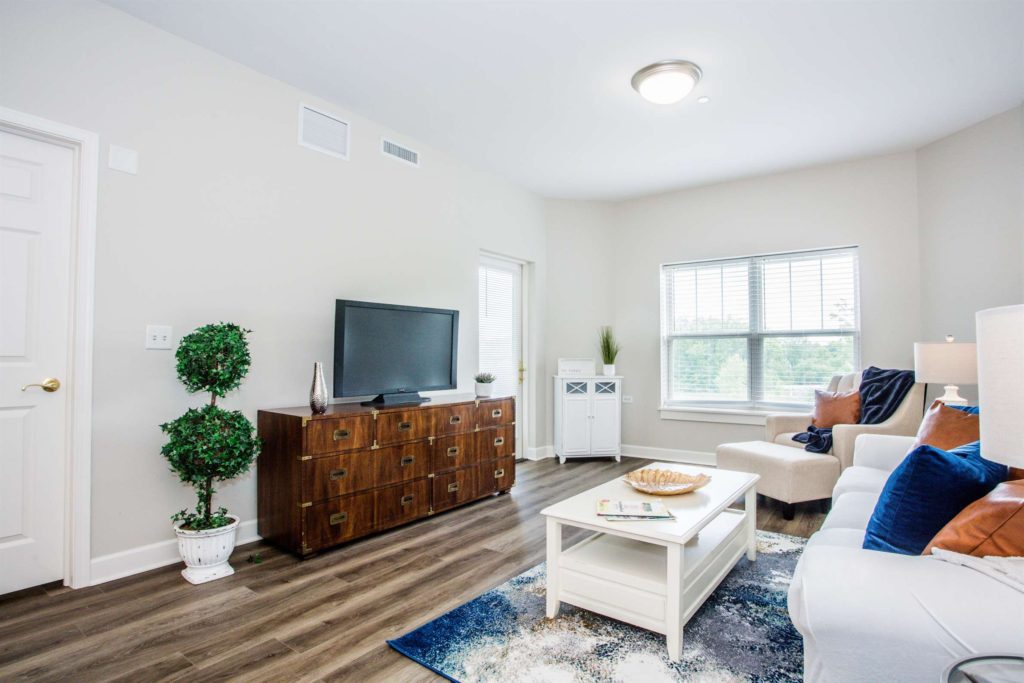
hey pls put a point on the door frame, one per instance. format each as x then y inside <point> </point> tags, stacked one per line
<point>524,318</point>
<point>78,456</point>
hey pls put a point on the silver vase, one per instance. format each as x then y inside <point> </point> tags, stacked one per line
<point>318,392</point>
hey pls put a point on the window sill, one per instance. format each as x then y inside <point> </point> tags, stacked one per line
<point>719,415</point>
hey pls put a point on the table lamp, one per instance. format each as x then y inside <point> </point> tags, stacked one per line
<point>948,363</point>
<point>1001,383</point>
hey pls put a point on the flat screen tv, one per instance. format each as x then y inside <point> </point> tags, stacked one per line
<point>393,351</point>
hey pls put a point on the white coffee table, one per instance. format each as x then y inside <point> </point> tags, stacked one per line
<point>651,574</point>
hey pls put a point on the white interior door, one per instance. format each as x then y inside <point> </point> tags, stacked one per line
<point>501,333</point>
<point>37,182</point>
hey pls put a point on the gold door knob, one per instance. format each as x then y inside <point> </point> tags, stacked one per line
<point>50,384</point>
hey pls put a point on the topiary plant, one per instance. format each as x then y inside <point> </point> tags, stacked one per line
<point>210,444</point>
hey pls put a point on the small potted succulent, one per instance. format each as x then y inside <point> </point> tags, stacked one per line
<point>609,351</point>
<point>208,445</point>
<point>484,384</point>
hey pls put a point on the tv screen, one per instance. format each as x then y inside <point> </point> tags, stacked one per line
<point>386,349</point>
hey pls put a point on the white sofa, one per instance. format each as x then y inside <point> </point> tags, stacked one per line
<point>873,616</point>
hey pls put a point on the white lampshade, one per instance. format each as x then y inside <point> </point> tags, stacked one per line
<point>946,363</point>
<point>1001,383</point>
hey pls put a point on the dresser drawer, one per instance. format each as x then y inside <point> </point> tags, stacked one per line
<point>404,425</point>
<point>450,452</point>
<point>496,443</point>
<point>338,520</point>
<point>499,412</point>
<point>498,475</point>
<point>402,503</point>
<point>340,434</point>
<point>455,419</point>
<point>336,475</point>
<point>401,463</point>
<point>454,488</point>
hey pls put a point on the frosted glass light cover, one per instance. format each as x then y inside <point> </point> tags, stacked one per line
<point>666,87</point>
<point>1001,383</point>
<point>946,363</point>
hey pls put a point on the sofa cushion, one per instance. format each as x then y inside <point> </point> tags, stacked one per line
<point>860,479</point>
<point>844,538</point>
<point>925,491</point>
<point>992,525</point>
<point>851,511</point>
<point>831,409</point>
<point>947,427</point>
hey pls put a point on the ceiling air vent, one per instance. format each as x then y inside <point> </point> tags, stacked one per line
<point>323,132</point>
<point>401,153</point>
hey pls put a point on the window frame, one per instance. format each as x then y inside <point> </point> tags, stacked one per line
<point>755,335</point>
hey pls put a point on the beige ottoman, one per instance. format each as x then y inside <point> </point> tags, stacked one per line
<point>791,475</point>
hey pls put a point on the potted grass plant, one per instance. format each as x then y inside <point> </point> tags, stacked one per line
<point>484,384</point>
<point>609,350</point>
<point>209,445</point>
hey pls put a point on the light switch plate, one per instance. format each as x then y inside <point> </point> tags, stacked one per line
<point>123,159</point>
<point>627,399</point>
<point>158,336</point>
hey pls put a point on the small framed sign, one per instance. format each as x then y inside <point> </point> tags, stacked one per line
<point>576,367</point>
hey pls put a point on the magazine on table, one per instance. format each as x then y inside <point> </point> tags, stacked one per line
<point>632,511</point>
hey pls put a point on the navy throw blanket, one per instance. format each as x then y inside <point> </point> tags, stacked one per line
<point>881,393</point>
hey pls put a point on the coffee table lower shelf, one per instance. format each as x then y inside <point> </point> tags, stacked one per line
<point>630,580</point>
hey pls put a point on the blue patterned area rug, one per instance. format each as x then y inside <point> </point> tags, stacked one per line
<point>741,633</point>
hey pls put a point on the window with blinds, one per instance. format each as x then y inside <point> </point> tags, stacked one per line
<point>500,298</point>
<point>758,332</point>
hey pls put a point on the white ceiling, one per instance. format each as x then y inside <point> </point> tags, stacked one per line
<point>539,91</point>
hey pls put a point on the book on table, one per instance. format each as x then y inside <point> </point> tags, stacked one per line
<point>632,511</point>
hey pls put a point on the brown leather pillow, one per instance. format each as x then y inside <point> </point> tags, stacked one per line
<point>831,409</point>
<point>1015,473</point>
<point>993,525</point>
<point>946,428</point>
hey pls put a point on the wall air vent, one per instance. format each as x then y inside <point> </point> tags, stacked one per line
<point>401,153</point>
<point>323,132</point>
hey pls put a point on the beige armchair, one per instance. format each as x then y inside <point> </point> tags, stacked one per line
<point>780,427</point>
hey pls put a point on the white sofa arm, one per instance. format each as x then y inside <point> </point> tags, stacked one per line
<point>844,439</point>
<point>874,616</point>
<point>880,451</point>
<point>781,423</point>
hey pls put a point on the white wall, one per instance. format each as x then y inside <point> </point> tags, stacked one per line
<point>229,219</point>
<point>869,203</point>
<point>580,280</point>
<point>971,202</point>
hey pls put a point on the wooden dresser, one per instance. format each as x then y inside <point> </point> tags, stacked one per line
<point>327,479</point>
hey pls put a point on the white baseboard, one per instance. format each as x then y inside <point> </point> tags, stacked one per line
<point>135,560</point>
<point>540,452</point>
<point>669,454</point>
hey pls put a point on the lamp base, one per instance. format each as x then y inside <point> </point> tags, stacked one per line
<point>952,396</point>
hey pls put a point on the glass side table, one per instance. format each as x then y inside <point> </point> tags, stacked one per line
<point>986,668</point>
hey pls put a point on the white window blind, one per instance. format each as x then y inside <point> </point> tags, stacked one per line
<point>500,328</point>
<point>758,332</point>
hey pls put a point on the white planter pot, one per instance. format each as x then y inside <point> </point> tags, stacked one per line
<point>484,389</point>
<point>609,370</point>
<point>206,552</point>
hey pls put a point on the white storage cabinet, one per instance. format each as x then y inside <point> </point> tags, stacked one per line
<point>588,417</point>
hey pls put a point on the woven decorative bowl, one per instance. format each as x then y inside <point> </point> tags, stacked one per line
<point>665,482</point>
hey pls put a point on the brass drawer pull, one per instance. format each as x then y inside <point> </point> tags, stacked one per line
<point>338,474</point>
<point>404,426</point>
<point>407,499</point>
<point>340,434</point>
<point>453,451</point>
<point>500,441</point>
<point>454,419</point>
<point>452,488</point>
<point>339,517</point>
<point>496,412</point>
<point>408,460</point>
<point>499,473</point>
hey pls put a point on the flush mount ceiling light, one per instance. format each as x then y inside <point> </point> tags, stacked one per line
<point>666,82</point>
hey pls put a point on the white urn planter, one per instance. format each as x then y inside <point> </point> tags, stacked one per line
<point>484,389</point>
<point>206,552</point>
<point>609,370</point>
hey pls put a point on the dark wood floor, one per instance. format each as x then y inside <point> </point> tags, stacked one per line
<point>323,619</point>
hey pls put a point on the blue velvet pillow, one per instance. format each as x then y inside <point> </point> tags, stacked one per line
<point>925,491</point>
<point>970,410</point>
